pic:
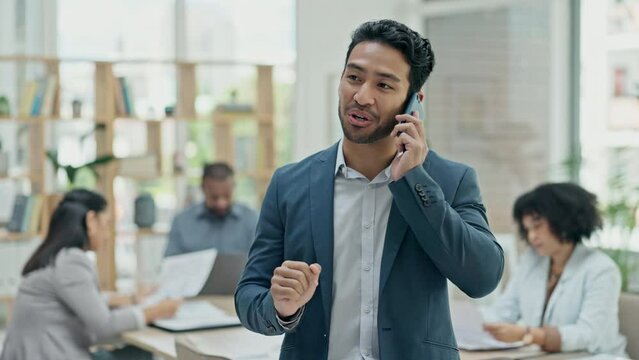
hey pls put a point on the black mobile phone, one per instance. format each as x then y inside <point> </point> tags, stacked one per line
<point>414,105</point>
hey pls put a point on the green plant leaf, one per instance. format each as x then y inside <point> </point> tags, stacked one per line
<point>105,159</point>
<point>52,155</point>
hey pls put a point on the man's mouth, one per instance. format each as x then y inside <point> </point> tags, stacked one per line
<point>359,118</point>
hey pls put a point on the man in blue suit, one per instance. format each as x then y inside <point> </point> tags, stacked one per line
<point>355,244</point>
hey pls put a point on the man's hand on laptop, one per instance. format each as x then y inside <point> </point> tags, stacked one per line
<point>293,285</point>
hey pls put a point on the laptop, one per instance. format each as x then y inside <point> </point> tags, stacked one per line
<point>225,274</point>
<point>200,314</point>
<point>469,331</point>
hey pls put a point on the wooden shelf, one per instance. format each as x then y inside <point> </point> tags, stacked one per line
<point>8,236</point>
<point>138,61</point>
<point>157,229</point>
<point>36,120</point>
<point>16,177</point>
<point>106,114</point>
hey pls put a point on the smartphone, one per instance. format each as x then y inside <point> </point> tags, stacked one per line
<point>414,105</point>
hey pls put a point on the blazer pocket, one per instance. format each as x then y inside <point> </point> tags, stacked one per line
<point>441,345</point>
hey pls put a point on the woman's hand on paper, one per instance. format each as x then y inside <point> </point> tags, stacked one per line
<point>163,309</point>
<point>506,332</point>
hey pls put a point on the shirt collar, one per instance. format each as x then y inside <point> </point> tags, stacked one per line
<point>339,161</point>
<point>340,164</point>
<point>204,212</point>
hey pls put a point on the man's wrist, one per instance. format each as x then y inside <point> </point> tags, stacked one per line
<point>287,318</point>
<point>290,322</point>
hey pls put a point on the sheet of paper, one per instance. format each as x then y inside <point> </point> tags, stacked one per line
<point>602,357</point>
<point>183,275</point>
<point>469,332</point>
<point>197,314</point>
<point>231,344</point>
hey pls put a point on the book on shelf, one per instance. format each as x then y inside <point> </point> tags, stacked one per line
<point>123,98</point>
<point>39,97</point>
<point>8,191</point>
<point>50,97</point>
<point>26,100</point>
<point>19,212</point>
<point>27,212</point>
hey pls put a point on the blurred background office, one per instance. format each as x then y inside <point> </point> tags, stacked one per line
<point>132,98</point>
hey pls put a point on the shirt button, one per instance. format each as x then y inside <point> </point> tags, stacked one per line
<point>367,310</point>
<point>366,353</point>
<point>367,225</point>
<point>367,268</point>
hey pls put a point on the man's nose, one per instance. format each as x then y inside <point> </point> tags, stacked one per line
<point>364,96</point>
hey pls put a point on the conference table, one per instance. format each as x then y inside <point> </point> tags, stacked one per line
<point>235,342</point>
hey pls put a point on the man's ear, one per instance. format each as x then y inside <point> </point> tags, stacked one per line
<point>421,96</point>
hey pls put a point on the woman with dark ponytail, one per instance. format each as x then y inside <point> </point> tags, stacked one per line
<point>59,311</point>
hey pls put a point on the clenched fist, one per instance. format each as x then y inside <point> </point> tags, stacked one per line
<point>293,285</point>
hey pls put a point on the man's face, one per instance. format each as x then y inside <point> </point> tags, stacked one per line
<point>372,90</point>
<point>218,195</point>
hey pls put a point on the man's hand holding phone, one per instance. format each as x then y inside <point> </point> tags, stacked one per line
<point>293,285</point>
<point>410,140</point>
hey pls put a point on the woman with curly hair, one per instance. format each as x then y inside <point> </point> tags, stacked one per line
<point>563,295</point>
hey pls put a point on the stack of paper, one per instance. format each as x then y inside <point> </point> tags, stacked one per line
<point>194,315</point>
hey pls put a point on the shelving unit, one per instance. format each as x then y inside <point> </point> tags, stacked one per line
<point>105,84</point>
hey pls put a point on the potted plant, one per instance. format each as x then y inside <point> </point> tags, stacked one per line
<point>620,211</point>
<point>73,171</point>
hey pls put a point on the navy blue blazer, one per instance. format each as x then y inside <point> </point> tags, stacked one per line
<point>437,230</point>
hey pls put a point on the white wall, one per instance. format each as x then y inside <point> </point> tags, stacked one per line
<point>497,99</point>
<point>323,34</point>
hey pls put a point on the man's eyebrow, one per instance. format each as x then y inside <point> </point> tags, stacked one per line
<point>381,74</point>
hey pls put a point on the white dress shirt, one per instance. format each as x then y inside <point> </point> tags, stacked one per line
<point>360,217</point>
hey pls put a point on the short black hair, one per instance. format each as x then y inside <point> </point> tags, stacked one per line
<point>217,171</point>
<point>571,211</point>
<point>416,49</point>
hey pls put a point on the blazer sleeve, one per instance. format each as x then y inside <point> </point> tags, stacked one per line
<point>600,304</point>
<point>253,301</point>
<point>76,287</point>
<point>456,236</point>
<point>507,307</point>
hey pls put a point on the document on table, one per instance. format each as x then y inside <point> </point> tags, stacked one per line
<point>469,332</point>
<point>602,357</point>
<point>183,275</point>
<point>193,315</point>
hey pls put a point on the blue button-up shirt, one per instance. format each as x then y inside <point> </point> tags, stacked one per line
<point>196,228</point>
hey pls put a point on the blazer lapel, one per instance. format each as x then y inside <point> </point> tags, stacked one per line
<point>395,233</point>
<point>322,185</point>
<point>571,267</point>
<point>537,285</point>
